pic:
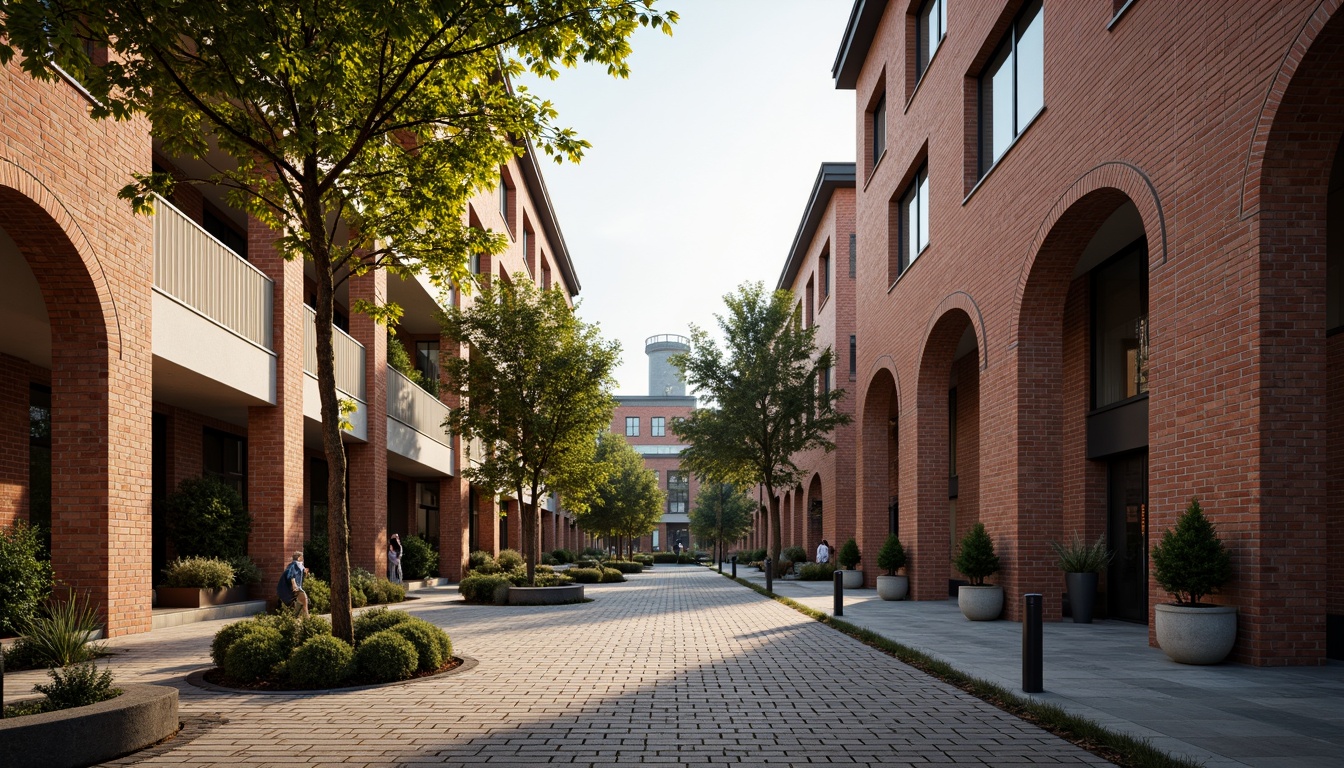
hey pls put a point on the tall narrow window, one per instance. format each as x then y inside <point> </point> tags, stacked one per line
<point>427,359</point>
<point>1012,87</point>
<point>1120,327</point>
<point>952,434</point>
<point>811,305</point>
<point>225,456</point>
<point>853,357</point>
<point>853,255</point>
<point>632,426</point>
<point>678,491</point>
<point>826,272</point>
<point>915,219</point>
<point>878,128</point>
<point>932,27</point>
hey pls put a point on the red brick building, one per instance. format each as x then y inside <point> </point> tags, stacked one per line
<point>141,351</point>
<point>1100,272</point>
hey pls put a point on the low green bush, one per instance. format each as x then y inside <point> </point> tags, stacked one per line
<point>645,559</point>
<point>665,557</point>
<point>548,559</point>
<point>509,559</point>
<point>484,588</point>
<point>199,573</point>
<point>552,579</point>
<point>626,566</point>
<point>612,576</point>
<point>817,572</point>
<point>585,575</point>
<point>357,598</point>
<point>319,594</point>
<point>591,552</point>
<point>517,577</point>
<point>321,661</point>
<point>207,518</point>
<point>375,620</point>
<point>488,568</point>
<point>25,576</point>
<point>254,655</point>
<point>385,657</point>
<point>478,558</point>
<point>383,591</point>
<point>424,636</point>
<point>793,555</point>
<point>245,571</point>
<point>78,686</point>
<point>563,555</point>
<point>225,638</point>
<point>587,562</point>
<point>418,558</point>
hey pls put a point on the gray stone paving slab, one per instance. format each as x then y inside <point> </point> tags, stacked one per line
<point>1228,715</point>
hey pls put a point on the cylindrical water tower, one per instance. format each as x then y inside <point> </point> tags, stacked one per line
<point>664,378</point>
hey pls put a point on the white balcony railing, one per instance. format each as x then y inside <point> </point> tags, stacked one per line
<point>411,405</point>
<point>349,356</point>
<point>194,268</point>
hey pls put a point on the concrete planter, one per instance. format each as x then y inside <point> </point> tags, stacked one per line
<point>893,587</point>
<point>852,579</point>
<point>142,715</point>
<point>983,603</point>
<point>545,595</point>
<point>1196,635</point>
<point>192,597</point>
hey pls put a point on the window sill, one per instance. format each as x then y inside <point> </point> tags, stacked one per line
<point>1116,18</point>
<point>1119,404</point>
<point>877,164</point>
<point>824,300</point>
<point>924,75</point>
<point>1007,150</point>
<point>78,86</point>
<point>918,257</point>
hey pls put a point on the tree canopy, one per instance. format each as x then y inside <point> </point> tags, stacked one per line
<point>627,503</point>
<point>357,130</point>
<point>722,514</point>
<point>768,394</point>
<point>535,384</point>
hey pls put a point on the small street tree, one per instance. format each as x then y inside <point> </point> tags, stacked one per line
<point>767,400</point>
<point>627,502</point>
<point>536,386</point>
<point>722,514</point>
<point>356,129</point>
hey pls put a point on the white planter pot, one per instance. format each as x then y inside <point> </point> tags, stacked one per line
<point>983,603</point>
<point>893,587</point>
<point>852,579</point>
<point>1191,635</point>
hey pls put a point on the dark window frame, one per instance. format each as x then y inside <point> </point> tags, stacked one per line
<point>920,198</point>
<point>985,158</point>
<point>923,58</point>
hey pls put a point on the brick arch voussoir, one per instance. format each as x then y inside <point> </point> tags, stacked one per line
<point>962,301</point>
<point>882,364</point>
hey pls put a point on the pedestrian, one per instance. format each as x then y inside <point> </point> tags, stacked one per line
<point>290,588</point>
<point>678,550</point>
<point>823,552</point>
<point>394,551</point>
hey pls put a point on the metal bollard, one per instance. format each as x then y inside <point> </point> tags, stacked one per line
<point>769,576</point>
<point>2,683</point>
<point>838,609</point>
<point>1033,645</point>
<point>733,560</point>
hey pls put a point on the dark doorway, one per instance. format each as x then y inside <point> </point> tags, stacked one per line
<point>398,505</point>
<point>158,494</point>
<point>1127,534</point>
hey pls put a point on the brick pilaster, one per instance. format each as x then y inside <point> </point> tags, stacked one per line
<point>368,460</point>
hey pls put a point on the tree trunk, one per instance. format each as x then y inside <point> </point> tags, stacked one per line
<point>531,525</point>
<point>776,537</point>
<point>338,527</point>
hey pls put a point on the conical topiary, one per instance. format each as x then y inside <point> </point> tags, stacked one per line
<point>975,557</point>
<point>1190,562</point>
<point>849,555</point>
<point>891,558</point>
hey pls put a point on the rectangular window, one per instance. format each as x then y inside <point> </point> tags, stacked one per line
<point>853,357</point>
<point>1012,87</point>
<point>529,258</point>
<point>853,255</point>
<point>678,491</point>
<point>826,272</point>
<point>658,426</point>
<point>878,127</point>
<point>931,30</point>
<point>825,385</point>
<point>811,304</point>
<point>476,263</point>
<point>317,496</point>
<point>545,274</point>
<point>915,219</point>
<point>1120,327</point>
<point>632,426</point>
<point>225,456</point>
<point>427,359</point>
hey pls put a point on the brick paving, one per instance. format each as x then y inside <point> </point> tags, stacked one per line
<point>676,666</point>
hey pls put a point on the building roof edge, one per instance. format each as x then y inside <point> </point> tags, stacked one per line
<point>830,177</point>
<point>858,38</point>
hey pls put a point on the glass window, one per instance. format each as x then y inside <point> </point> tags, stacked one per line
<point>932,29</point>
<point>504,198</point>
<point>853,357</point>
<point>658,426</point>
<point>39,457</point>
<point>317,496</point>
<point>678,491</point>
<point>1012,87</point>
<point>427,359</point>
<point>878,120</point>
<point>225,456</point>
<point>826,272</point>
<point>915,219</point>
<point>1120,327</point>
<point>632,426</point>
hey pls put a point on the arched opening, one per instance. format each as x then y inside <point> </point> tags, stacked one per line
<point>879,475</point>
<point>815,514</point>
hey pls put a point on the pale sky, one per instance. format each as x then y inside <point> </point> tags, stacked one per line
<point>701,163</point>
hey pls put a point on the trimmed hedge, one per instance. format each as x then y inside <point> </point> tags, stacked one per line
<point>666,558</point>
<point>376,620</point>
<point>199,573</point>
<point>322,661</point>
<point>422,635</point>
<point>612,576</point>
<point>255,654</point>
<point>625,566</point>
<point>386,657</point>
<point>585,575</point>
<point>509,559</point>
<point>485,588</point>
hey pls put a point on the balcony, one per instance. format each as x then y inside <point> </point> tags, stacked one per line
<point>415,428</point>
<point>349,374</point>
<point>212,314</point>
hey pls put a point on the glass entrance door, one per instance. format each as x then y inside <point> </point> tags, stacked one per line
<point>1127,536</point>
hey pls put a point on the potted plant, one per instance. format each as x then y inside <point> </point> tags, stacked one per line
<point>794,557</point>
<point>1191,563</point>
<point>976,561</point>
<point>197,582</point>
<point>1082,563</point>
<point>891,558</point>
<point>848,558</point>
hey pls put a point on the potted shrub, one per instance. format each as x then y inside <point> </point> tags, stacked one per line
<point>1082,563</point>
<point>197,582</point>
<point>848,558</point>
<point>891,558</point>
<point>1191,563</point>
<point>794,557</point>
<point>976,561</point>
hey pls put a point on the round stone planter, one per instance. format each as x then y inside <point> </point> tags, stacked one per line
<point>852,579</point>
<point>1190,635</point>
<point>893,587</point>
<point>569,593</point>
<point>139,717</point>
<point>983,603</point>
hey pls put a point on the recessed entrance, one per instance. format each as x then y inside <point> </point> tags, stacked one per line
<point>1127,535</point>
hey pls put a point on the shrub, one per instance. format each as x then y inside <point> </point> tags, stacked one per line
<point>319,594</point>
<point>25,577</point>
<point>563,556</point>
<point>357,598</point>
<point>322,661</point>
<point>225,638</point>
<point>548,559</point>
<point>591,552</point>
<point>424,636</point>
<point>891,558</point>
<point>375,620</point>
<point>198,572</point>
<point>975,556</point>
<point>1078,556</point>
<point>1190,561</point>
<point>78,686</point>
<point>644,559</point>
<point>489,568</point>
<point>255,654</point>
<point>244,571</point>
<point>484,588</point>
<point>817,572</point>
<point>665,557</point>
<point>585,575</point>
<point>849,555</point>
<point>479,558</point>
<point>362,581</point>
<point>385,657</point>
<point>418,558</point>
<point>59,635</point>
<point>293,629</point>
<point>207,518</point>
<point>317,556</point>
<point>509,559</point>
<point>586,562</point>
<point>626,566</point>
<point>552,579</point>
<point>612,576</point>
<point>794,555</point>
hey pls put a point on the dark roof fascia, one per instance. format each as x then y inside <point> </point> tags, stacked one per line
<point>541,199</point>
<point>859,34</point>
<point>830,177</point>
<point>664,401</point>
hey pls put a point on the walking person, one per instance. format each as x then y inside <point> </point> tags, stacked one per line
<point>290,589</point>
<point>823,552</point>
<point>394,551</point>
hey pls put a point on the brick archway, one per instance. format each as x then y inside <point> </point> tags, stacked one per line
<point>877,460</point>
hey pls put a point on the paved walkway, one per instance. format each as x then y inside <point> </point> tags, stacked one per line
<point>1227,715</point>
<point>675,666</point>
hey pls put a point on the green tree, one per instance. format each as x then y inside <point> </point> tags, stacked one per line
<point>722,514</point>
<point>766,401</point>
<point>1190,561</point>
<point>535,385</point>
<point>356,129</point>
<point>627,502</point>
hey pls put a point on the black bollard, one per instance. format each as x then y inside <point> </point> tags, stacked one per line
<point>838,609</point>
<point>2,683</point>
<point>769,576</point>
<point>734,562</point>
<point>1033,645</point>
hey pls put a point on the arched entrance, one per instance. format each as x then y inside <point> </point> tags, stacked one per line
<point>814,514</point>
<point>878,467</point>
